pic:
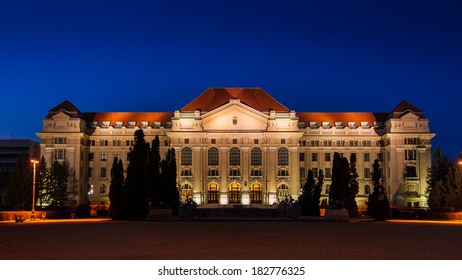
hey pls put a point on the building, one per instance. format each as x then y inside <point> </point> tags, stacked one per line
<point>10,151</point>
<point>241,146</point>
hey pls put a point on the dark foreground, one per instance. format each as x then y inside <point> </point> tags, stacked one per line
<point>230,240</point>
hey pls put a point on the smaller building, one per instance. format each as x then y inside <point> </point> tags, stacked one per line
<point>10,151</point>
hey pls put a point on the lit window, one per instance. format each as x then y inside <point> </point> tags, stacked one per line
<point>131,124</point>
<point>118,124</point>
<point>105,124</point>
<point>94,123</point>
<point>144,124</point>
<point>313,124</point>
<point>365,124</point>
<point>234,120</point>
<point>339,124</point>
<point>352,124</point>
<point>326,124</point>
<point>103,156</point>
<point>156,124</point>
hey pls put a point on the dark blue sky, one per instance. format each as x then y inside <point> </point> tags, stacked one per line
<point>159,55</point>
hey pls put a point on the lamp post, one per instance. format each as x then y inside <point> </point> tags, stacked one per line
<point>32,215</point>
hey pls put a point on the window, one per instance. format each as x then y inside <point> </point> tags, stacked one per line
<point>301,125</point>
<point>367,173</point>
<point>117,143</point>
<point>352,124</point>
<point>104,142</point>
<point>255,141</point>
<point>102,190</point>
<point>234,157</point>
<point>283,141</point>
<point>131,124</point>
<point>186,157</point>
<point>117,155</point>
<point>314,157</point>
<point>313,124</point>
<point>283,157</point>
<point>255,157</point>
<point>339,124</point>
<point>94,123</point>
<point>144,124</point>
<point>235,173</point>
<point>105,124</point>
<point>326,124</point>
<point>103,172</point>
<point>90,172</point>
<point>366,143</point>
<point>365,124</point>
<point>327,157</point>
<point>410,154</point>
<point>327,143</point>
<point>186,172</point>
<point>315,172</point>
<point>60,154</point>
<point>92,143</point>
<point>380,157</point>
<point>353,143</point>
<point>411,171</point>
<point>255,173</point>
<point>367,190</point>
<point>283,191</point>
<point>234,141</point>
<point>103,156</point>
<point>156,124</point>
<point>367,157</point>
<point>302,173</point>
<point>328,173</point>
<point>234,120</point>
<point>301,156</point>
<point>60,140</point>
<point>186,141</point>
<point>283,172</point>
<point>168,124</point>
<point>213,157</point>
<point>302,143</point>
<point>118,124</point>
<point>314,143</point>
<point>213,141</point>
<point>213,173</point>
<point>327,189</point>
<point>340,143</point>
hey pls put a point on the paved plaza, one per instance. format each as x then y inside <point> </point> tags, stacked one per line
<point>105,239</point>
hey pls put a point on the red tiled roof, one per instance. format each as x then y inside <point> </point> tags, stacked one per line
<point>342,117</point>
<point>405,107</point>
<point>213,98</point>
<point>125,117</point>
<point>66,107</point>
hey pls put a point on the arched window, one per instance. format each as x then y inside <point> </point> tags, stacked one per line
<point>367,190</point>
<point>102,190</point>
<point>283,157</point>
<point>234,157</point>
<point>255,193</point>
<point>186,157</point>
<point>212,193</point>
<point>255,157</point>
<point>213,157</point>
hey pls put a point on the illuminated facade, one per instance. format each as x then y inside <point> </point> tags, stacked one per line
<point>241,146</point>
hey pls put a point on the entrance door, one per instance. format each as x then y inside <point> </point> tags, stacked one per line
<point>234,193</point>
<point>256,193</point>
<point>212,193</point>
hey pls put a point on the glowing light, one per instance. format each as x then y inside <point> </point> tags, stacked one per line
<point>272,198</point>
<point>224,199</point>
<point>197,198</point>
<point>245,199</point>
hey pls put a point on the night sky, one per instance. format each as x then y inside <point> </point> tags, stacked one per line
<point>159,55</point>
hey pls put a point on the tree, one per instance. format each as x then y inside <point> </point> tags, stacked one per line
<point>17,194</point>
<point>353,188</point>
<point>437,175</point>
<point>338,192</point>
<point>136,183</point>
<point>306,198</point>
<point>379,206</point>
<point>171,192</point>
<point>57,191</point>
<point>154,172</point>
<point>454,181</point>
<point>116,192</point>
<point>43,181</point>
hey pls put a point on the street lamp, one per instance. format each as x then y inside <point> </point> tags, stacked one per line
<point>32,215</point>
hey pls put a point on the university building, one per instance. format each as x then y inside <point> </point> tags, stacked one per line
<point>241,146</point>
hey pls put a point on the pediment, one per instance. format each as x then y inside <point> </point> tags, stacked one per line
<point>235,116</point>
<point>61,116</point>
<point>410,117</point>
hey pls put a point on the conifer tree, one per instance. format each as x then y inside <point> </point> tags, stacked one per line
<point>170,190</point>
<point>340,182</point>
<point>306,198</point>
<point>438,188</point>
<point>43,178</point>
<point>317,194</point>
<point>58,184</point>
<point>136,183</point>
<point>154,172</point>
<point>353,188</point>
<point>378,206</point>
<point>116,192</point>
